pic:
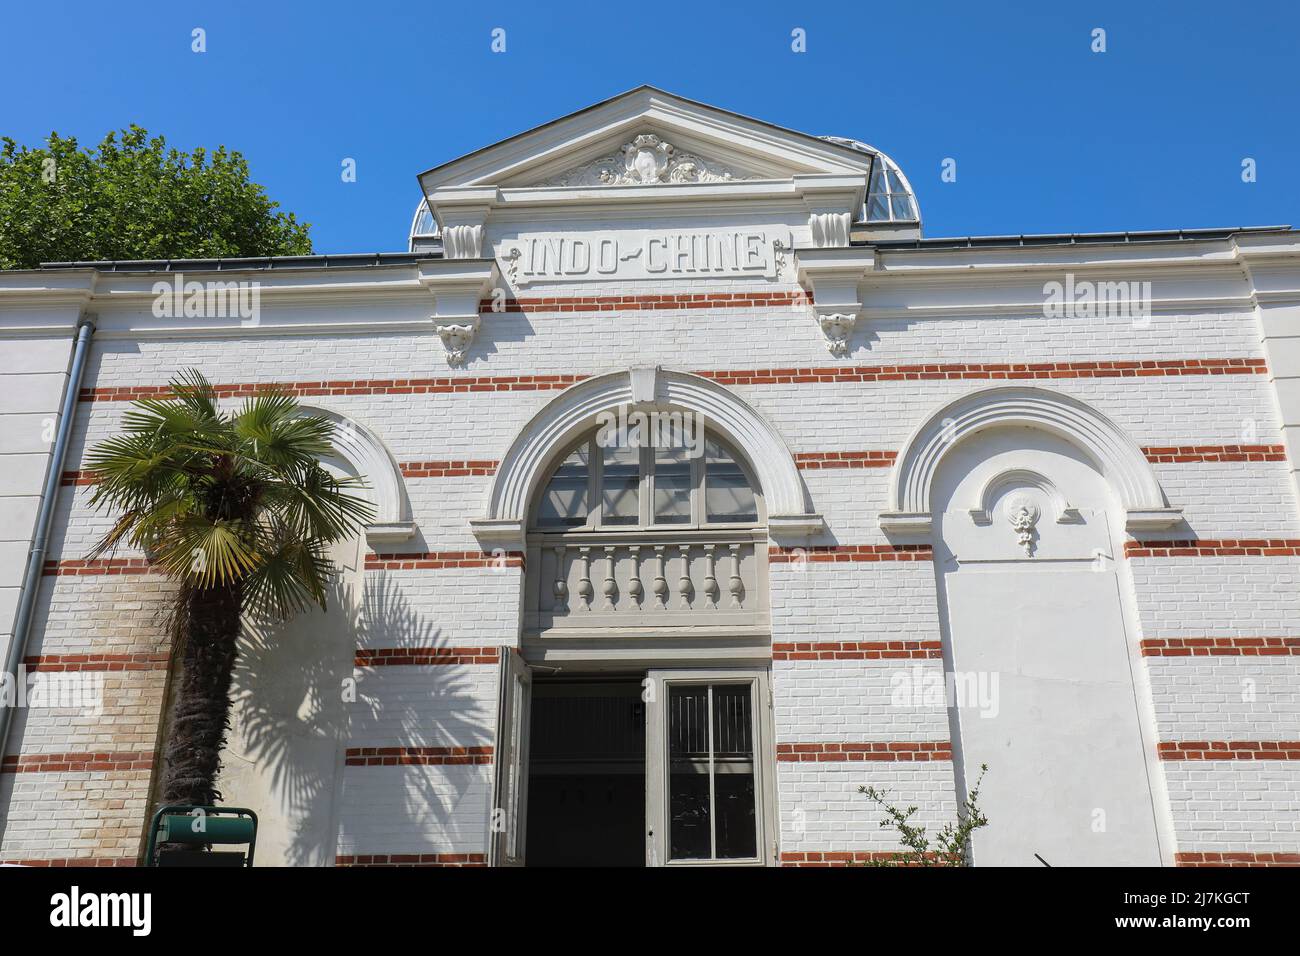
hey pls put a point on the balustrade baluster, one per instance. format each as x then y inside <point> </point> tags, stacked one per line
<point>735,585</point>
<point>710,579</point>
<point>684,582</point>
<point>634,589</point>
<point>560,587</point>
<point>585,591</point>
<point>609,588</point>
<point>660,585</point>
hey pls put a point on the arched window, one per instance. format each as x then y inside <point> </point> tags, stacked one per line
<point>639,484</point>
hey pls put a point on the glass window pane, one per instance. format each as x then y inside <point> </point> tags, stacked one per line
<point>903,206</point>
<point>733,769</point>
<point>672,485</point>
<point>877,172</point>
<point>424,225</point>
<point>690,835</point>
<point>564,503</point>
<point>877,207</point>
<point>711,783</point>
<point>727,495</point>
<point>621,485</point>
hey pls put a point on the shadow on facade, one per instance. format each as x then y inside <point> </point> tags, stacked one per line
<point>299,705</point>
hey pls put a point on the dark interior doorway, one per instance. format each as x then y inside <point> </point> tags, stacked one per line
<point>586,773</point>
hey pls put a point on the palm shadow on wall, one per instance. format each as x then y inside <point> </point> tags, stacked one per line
<point>289,704</point>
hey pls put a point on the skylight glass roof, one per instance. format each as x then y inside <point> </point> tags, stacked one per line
<point>422,223</point>
<point>889,195</point>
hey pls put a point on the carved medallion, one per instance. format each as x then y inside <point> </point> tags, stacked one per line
<point>646,160</point>
<point>1023,514</point>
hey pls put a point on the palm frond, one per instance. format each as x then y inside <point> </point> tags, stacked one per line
<point>278,435</point>
<point>292,577</point>
<point>319,505</point>
<point>236,500</point>
<point>122,527</point>
<point>192,391</point>
<point>207,553</point>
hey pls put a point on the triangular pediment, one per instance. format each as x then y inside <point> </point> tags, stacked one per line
<point>648,158</point>
<point>647,137</point>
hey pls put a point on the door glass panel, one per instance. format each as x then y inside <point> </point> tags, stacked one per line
<point>711,794</point>
<point>620,499</point>
<point>733,769</point>
<point>565,502</point>
<point>672,485</point>
<point>689,824</point>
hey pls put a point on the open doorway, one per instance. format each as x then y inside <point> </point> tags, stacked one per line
<point>665,767</point>
<point>586,773</point>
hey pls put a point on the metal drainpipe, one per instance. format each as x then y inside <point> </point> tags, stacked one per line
<point>44,518</point>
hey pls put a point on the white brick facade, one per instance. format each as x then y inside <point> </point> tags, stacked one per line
<point>934,323</point>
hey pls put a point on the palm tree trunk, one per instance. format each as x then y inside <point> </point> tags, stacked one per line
<point>201,714</point>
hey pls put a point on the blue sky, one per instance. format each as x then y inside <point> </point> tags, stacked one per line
<point>1048,136</point>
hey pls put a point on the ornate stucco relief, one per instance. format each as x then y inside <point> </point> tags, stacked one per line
<point>646,160</point>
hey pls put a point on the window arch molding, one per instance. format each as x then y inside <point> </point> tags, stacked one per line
<point>359,450</point>
<point>1119,458</point>
<point>564,420</point>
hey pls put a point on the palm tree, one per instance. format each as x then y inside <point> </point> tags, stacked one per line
<point>236,508</point>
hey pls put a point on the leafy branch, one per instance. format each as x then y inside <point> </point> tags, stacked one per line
<point>949,847</point>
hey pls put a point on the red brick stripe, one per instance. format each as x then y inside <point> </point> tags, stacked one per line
<point>88,861</point>
<point>1221,647</point>
<point>856,650</point>
<point>983,370</point>
<point>416,756</point>
<point>1214,547</point>
<point>1229,750</point>
<point>838,753</point>
<point>815,460</point>
<point>412,859</point>
<point>365,386</point>
<point>96,762</point>
<point>79,568</point>
<point>1179,454</point>
<point>1237,858</point>
<point>641,303</point>
<point>763,376</point>
<point>395,656</point>
<point>447,468</point>
<point>441,560</point>
<point>96,662</point>
<point>851,552</point>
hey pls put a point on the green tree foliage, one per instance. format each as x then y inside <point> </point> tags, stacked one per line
<point>134,198</point>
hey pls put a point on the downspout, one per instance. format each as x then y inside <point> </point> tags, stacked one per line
<point>44,518</point>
